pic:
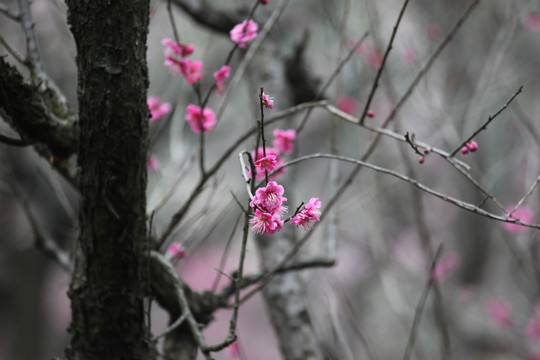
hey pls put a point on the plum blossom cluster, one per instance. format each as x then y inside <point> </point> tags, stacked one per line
<point>471,146</point>
<point>157,108</point>
<point>244,33</point>
<point>283,143</point>
<point>268,204</point>
<point>200,120</point>
<point>177,62</point>
<point>308,215</point>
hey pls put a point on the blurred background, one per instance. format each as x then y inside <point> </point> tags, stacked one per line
<point>488,275</point>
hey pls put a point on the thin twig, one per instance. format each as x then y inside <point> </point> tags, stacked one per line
<point>16,142</point>
<point>49,247</point>
<point>261,130</point>
<point>272,20</point>
<point>182,173</point>
<point>225,254</point>
<point>332,77</point>
<point>385,57</point>
<point>173,326</point>
<point>12,51</point>
<point>382,131</point>
<point>520,202</point>
<point>489,120</point>
<point>431,60</point>
<point>193,325</point>
<point>410,141</point>
<point>420,308</point>
<point>462,204</point>
<point>173,23</point>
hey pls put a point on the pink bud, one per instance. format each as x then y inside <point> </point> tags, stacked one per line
<point>370,113</point>
<point>175,251</point>
<point>421,159</point>
<point>426,151</point>
<point>464,150</point>
<point>473,146</point>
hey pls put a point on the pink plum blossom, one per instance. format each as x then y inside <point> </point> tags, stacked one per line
<point>267,101</point>
<point>192,70</point>
<point>310,212</point>
<point>259,175</point>
<point>532,21</point>
<point>233,350</point>
<point>501,312</point>
<point>176,61</point>
<point>347,105</point>
<point>244,33</point>
<point>266,223</point>
<point>223,73</point>
<point>200,120</point>
<point>267,163</point>
<point>283,140</point>
<point>153,163</point>
<point>523,213</point>
<point>270,198</point>
<point>444,266</point>
<point>175,251</point>
<point>157,108</point>
<point>172,47</point>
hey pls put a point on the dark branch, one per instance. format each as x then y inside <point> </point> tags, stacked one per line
<point>36,115</point>
<point>214,19</point>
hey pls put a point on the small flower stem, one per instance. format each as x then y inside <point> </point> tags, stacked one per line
<point>173,23</point>
<point>489,120</point>
<point>261,124</point>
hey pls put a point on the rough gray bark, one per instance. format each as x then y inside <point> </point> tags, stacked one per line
<point>111,266</point>
<point>285,301</point>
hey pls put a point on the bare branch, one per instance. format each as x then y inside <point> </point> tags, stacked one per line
<point>12,51</point>
<point>449,36</point>
<point>214,19</point>
<point>420,308</point>
<point>10,14</point>
<point>15,142</point>
<point>529,192</point>
<point>41,242</point>
<point>387,52</point>
<point>489,120</point>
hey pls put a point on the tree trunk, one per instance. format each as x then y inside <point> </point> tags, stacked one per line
<point>111,266</point>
